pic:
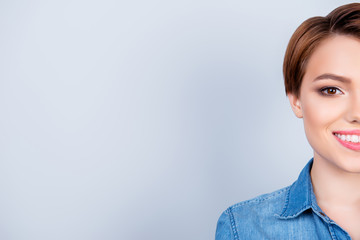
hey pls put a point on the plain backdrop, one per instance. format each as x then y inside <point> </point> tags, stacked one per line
<point>143,119</point>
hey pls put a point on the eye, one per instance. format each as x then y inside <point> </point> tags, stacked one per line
<point>331,91</point>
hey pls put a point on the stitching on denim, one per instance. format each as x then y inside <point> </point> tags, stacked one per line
<point>332,226</point>
<point>257,199</point>
<point>233,225</point>
<point>286,202</point>
<point>332,233</point>
<point>306,206</point>
<point>311,191</point>
<point>296,214</point>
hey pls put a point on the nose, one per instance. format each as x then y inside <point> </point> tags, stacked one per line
<point>354,108</point>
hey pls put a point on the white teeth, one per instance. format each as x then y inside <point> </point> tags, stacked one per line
<point>348,138</point>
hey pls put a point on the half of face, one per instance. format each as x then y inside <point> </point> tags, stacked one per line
<point>329,102</point>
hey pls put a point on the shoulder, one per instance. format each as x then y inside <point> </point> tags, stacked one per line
<point>260,211</point>
<point>270,203</point>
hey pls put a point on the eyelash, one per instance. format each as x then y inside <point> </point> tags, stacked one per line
<point>322,91</point>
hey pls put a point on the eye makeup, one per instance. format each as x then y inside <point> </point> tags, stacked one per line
<point>330,91</point>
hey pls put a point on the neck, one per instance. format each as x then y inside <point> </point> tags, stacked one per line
<point>333,186</point>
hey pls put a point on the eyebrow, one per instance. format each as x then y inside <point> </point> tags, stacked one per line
<point>333,77</point>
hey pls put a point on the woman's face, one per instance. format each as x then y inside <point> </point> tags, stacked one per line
<point>329,102</point>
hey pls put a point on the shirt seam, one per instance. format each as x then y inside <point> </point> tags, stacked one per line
<point>283,214</point>
<point>258,199</point>
<point>286,202</point>
<point>233,224</point>
<point>332,232</point>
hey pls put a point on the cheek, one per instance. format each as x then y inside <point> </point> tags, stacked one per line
<point>322,112</point>
<point>319,115</point>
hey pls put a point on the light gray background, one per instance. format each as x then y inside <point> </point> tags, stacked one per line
<point>143,119</point>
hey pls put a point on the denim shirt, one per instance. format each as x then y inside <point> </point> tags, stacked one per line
<point>289,213</point>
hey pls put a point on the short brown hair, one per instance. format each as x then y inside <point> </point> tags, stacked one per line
<point>343,20</point>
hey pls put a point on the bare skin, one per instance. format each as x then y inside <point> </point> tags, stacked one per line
<point>329,102</point>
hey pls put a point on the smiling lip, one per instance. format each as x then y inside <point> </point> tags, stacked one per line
<point>348,144</point>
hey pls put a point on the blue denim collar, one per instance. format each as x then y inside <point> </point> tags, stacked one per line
<point>300,197</point>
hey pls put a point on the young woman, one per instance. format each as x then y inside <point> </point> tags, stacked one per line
<point>322,81</point>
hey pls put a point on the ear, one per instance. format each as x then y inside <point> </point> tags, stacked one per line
<point>295,105</point>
